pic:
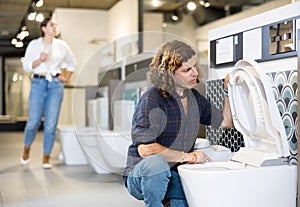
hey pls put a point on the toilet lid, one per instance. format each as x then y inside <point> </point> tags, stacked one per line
<point>255,113</point>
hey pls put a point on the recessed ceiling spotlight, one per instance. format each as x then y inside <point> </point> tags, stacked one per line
<point>31,16</point>
<point>39,17</point>
<point>204,3</point>
<point>39,3</point>
<point>174,17</point>
<point>207,4</point>
<point>191,6</point>
<point>14,41</point>
<point>19,44</point>
<point>155,3</point>
<point>201,2</point>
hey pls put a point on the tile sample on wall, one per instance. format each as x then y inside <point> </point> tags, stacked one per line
<point>285,87</point>
<point>230,138</point>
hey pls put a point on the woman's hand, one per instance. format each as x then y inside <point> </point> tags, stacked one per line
<point>64,77</point>
<point>43,57</point>
<point>200,157</point>
<point>61,78</point>
<point>226,80</point>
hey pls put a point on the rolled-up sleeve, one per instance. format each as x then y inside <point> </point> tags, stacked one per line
<point>29,58</point>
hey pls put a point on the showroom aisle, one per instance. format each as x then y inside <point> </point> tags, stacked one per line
<point>62,186</point>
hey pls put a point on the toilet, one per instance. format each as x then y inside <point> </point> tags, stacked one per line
<point>258,174</point>
<point>106,150</point>
<point>113,146</point>
<point>72,153</point>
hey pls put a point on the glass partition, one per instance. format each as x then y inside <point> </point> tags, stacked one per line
<point>17,86</point>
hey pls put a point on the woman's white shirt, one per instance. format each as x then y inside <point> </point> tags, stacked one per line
<point>59,55</point>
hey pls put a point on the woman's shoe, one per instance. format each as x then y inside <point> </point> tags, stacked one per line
<point>46,162</point>
<point>25,158</point>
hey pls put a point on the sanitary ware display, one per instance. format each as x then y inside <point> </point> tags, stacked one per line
<point>92,112</point>
<point>122,115</point>
<point>102,113</point>
<point>98,113</point>
<point>106,151</point>
<point>88,142</point>
<point>258,174</point>
<point>71,149</point>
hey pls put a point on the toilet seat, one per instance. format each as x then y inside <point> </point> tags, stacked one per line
<point>256,116</point>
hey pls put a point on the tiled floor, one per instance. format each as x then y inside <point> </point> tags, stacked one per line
<point>62,186</point>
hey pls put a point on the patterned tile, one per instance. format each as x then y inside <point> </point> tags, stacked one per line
<point>230,138</point>
<point>285,89</point>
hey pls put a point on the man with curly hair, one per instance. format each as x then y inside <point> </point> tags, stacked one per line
<point>165,127</point>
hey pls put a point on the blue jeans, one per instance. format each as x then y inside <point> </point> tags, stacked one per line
<point>152,180</point>
<point>44,99</point>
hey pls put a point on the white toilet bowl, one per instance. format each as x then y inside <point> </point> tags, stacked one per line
<point>105,150</point>
<point>71,149</point>
<point>88,142</point>
<point>113,146</point>
<point>258,174</point>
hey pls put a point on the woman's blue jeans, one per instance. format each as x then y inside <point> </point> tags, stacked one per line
<point>152,180</point>
<point>44,99</point>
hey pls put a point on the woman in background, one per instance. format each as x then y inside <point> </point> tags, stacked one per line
<point>45,57</point>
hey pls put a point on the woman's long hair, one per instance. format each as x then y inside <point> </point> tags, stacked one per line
<point>44,24</point>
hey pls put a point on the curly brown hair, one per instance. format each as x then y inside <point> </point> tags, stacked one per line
<point>168,58</point>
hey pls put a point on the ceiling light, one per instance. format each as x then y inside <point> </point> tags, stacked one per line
<point>23,34</point>
<point>207,4</point>
<point>204,3</point>
<point>39,3</point>
<point>20,37</point>
<point>39,17</point>
<point>19,44</point>
<point>14,41</point>
<point>31,16</point>
<point>175,16</point>
<point>155,3</point>
<point>191,6</point>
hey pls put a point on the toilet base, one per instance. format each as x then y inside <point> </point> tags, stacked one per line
<point>233,185</point>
